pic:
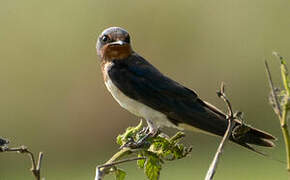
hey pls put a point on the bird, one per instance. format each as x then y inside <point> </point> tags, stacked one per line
<point>143,90</point>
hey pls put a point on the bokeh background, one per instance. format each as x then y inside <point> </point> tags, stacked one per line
<point>53,99</point>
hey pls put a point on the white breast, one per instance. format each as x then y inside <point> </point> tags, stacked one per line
<point>135,107</point>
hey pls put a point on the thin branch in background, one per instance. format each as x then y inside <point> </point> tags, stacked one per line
<point>281,108</point>
<point>231,123</point>
<point>276,107</point>
<point>36,165</point>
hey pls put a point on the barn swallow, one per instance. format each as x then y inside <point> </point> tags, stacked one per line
<point>144,91</point>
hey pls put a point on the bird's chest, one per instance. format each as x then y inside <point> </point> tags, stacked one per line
<point>126,102</point>
<point>130,104</point>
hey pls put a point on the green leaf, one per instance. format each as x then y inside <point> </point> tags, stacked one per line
<point>120,174</point>
<point>168,148</point>
<point>119,140</point>
<point>284,72</point>
<point>141,162</point>
<point>152,167</point>
<point>156,150</point>
<point>179,135</point>
<point>130,132</point>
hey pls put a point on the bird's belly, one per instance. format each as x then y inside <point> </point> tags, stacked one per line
<point>137,108</point>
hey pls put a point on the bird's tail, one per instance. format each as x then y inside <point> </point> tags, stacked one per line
<point>246,136</point>
<point>243,134</point>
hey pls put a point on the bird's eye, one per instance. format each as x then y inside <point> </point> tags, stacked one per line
<point>127,39</point>
<point>105,38</point>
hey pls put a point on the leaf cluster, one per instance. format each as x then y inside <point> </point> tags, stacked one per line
<point>156,150</point>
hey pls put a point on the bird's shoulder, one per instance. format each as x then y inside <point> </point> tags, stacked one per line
<point>136,75</point>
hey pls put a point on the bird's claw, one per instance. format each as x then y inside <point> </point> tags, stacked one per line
<point>134,145</point>
<point>144,130</point>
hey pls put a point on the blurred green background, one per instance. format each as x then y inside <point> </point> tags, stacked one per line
<point>53,99</point>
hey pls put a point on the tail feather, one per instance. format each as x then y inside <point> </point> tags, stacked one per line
<point>256,137</point>
<point>247,135</point>
<point>261,134</point>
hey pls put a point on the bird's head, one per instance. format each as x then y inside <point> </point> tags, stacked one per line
<point>114,43</point>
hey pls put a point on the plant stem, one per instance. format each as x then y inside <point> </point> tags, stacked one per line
<point>231,123</point>
<point>36,165</point>
<point>105,168</point>
<point>282,113</point>
<point>123,152</point>
<point>286,137</point>
<point>283,120</point>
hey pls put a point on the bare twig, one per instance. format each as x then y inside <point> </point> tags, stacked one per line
<point>103,169</point>
<point>120,162</point>
<point>231,123</point>
<point>36,171</point>
<point>277,108</point>
<point>36,165</point>
<point>281,108</point>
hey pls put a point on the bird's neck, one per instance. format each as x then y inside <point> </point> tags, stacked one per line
<point>110,53</point>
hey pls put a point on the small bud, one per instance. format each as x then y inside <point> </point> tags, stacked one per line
<point>219,94</point>
<point>3,141</point>
<point>274,53</point>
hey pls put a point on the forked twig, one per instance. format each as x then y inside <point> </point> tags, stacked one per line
<point>231,123</point>
<point>36,165</point>
<point>102,168</point>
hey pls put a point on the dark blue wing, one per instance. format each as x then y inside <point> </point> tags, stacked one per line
<point>139,80</point>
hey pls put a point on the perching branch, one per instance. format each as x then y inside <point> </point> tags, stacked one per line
<point>231,123</point>
<point>150,156</point>
<point>281,108</point>
<point>36,165</point>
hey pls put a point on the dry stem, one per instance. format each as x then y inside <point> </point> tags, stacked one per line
<point>231,123</point>
<point>36,165</point>
<point>281,112</point>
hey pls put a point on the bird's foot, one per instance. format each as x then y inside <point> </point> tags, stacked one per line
<point>145,133</point>
<point>144,130</point>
